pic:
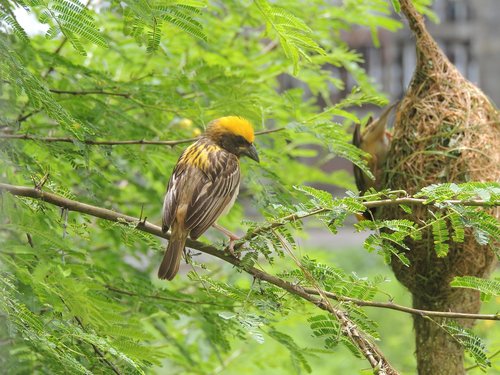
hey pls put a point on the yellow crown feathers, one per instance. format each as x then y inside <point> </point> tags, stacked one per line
<point>235,125</point>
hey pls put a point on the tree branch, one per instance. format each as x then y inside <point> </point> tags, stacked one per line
<point>379,203</point>
<point>163,298</point>
<point>98,351</point>
<point>112,142</point>
<point>368,349</point>
<point>91,92</point>
<point>409,310</point>
<point>423,201</point>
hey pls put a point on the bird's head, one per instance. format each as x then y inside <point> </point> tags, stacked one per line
<point>235,134</point>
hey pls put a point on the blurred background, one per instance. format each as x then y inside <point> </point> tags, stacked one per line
<point>467,30</point>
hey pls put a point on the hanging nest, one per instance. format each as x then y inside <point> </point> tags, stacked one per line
<point>445,130</point>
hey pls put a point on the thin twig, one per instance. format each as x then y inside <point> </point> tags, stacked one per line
<point>379,203</point>
<point>92,142</point>
<point>409,310</point>
<point>278,223</point>
<point>98,351</point>
<point>113,142</point>
<point>91,92</point>
<point>30,239</point>
<point>163,298</point>
<point>423,201</point>
<point>22,117</point>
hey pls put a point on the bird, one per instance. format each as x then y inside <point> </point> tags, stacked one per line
<point>375,140</point>
<point>204,185</point>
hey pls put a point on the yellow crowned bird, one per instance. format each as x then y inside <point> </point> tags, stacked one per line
<point>204,185</point>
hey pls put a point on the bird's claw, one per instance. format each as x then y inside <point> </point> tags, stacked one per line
<point>231,249</point>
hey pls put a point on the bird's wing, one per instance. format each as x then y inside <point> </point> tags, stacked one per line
<point>213,192</point>
<point>375,130</point>
<point>179,186</point>
<point>170,202</point>
<point>359,176</point>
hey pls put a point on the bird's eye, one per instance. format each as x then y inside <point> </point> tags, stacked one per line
<point>241,141</point>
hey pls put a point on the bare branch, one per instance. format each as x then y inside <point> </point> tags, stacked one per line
<point>112,142</point>
<point>91,92</point>
<point>409,310</point>
<point>163,298</point>
<point>383,202</point>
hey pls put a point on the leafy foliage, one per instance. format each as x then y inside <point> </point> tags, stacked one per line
<point>440,234</point>
<point>296,353</point>
<point>144,19</point>
<point>70,18</point>
<point>471,343</point>
<point>79,294</point>
<point>487,288</point>
<point>293,33</point>
<point>486,191</point>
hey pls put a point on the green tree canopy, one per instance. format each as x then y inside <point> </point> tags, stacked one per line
<point>98,109</point>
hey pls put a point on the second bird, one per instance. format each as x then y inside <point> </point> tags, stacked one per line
<point>204,185</point>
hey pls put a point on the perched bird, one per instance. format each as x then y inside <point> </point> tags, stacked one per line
<point>374,140</point>
<point>204,185</point>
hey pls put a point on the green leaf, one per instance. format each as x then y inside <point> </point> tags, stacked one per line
<point>293,34</point>
<point>485,286</point>
<point>472,344</point>
<point>440,235</point>
<point>322,198</point>
<point>296,353</point>
<point>396,5</point>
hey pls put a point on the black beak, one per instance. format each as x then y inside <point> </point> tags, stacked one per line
<point>251,152</point>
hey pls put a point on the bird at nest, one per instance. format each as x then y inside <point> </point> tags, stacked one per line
<point>204,185</point>
<point>375,140</point>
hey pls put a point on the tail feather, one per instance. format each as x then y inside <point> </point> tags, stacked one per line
<point>172,258</point>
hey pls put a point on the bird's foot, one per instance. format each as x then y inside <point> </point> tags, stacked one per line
<point>230,247</point>
<point>232,239</point>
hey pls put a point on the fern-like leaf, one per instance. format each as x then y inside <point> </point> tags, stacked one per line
<point>440,235</point>
<point>293,33</point>
<point>472,344</point>
<point>296,353</point>
<point>326,327</point>
<point>485,286</point>
<point>145,19</point>
<point>7,16</point>
<point>321,197</point>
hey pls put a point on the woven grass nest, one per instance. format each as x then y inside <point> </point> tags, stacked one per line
<point>445,130</point>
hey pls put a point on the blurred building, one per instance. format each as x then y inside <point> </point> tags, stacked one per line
<point>468,33</point>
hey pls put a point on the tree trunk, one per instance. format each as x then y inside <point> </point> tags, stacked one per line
<point>428,278</point>
<point>437,352</point>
